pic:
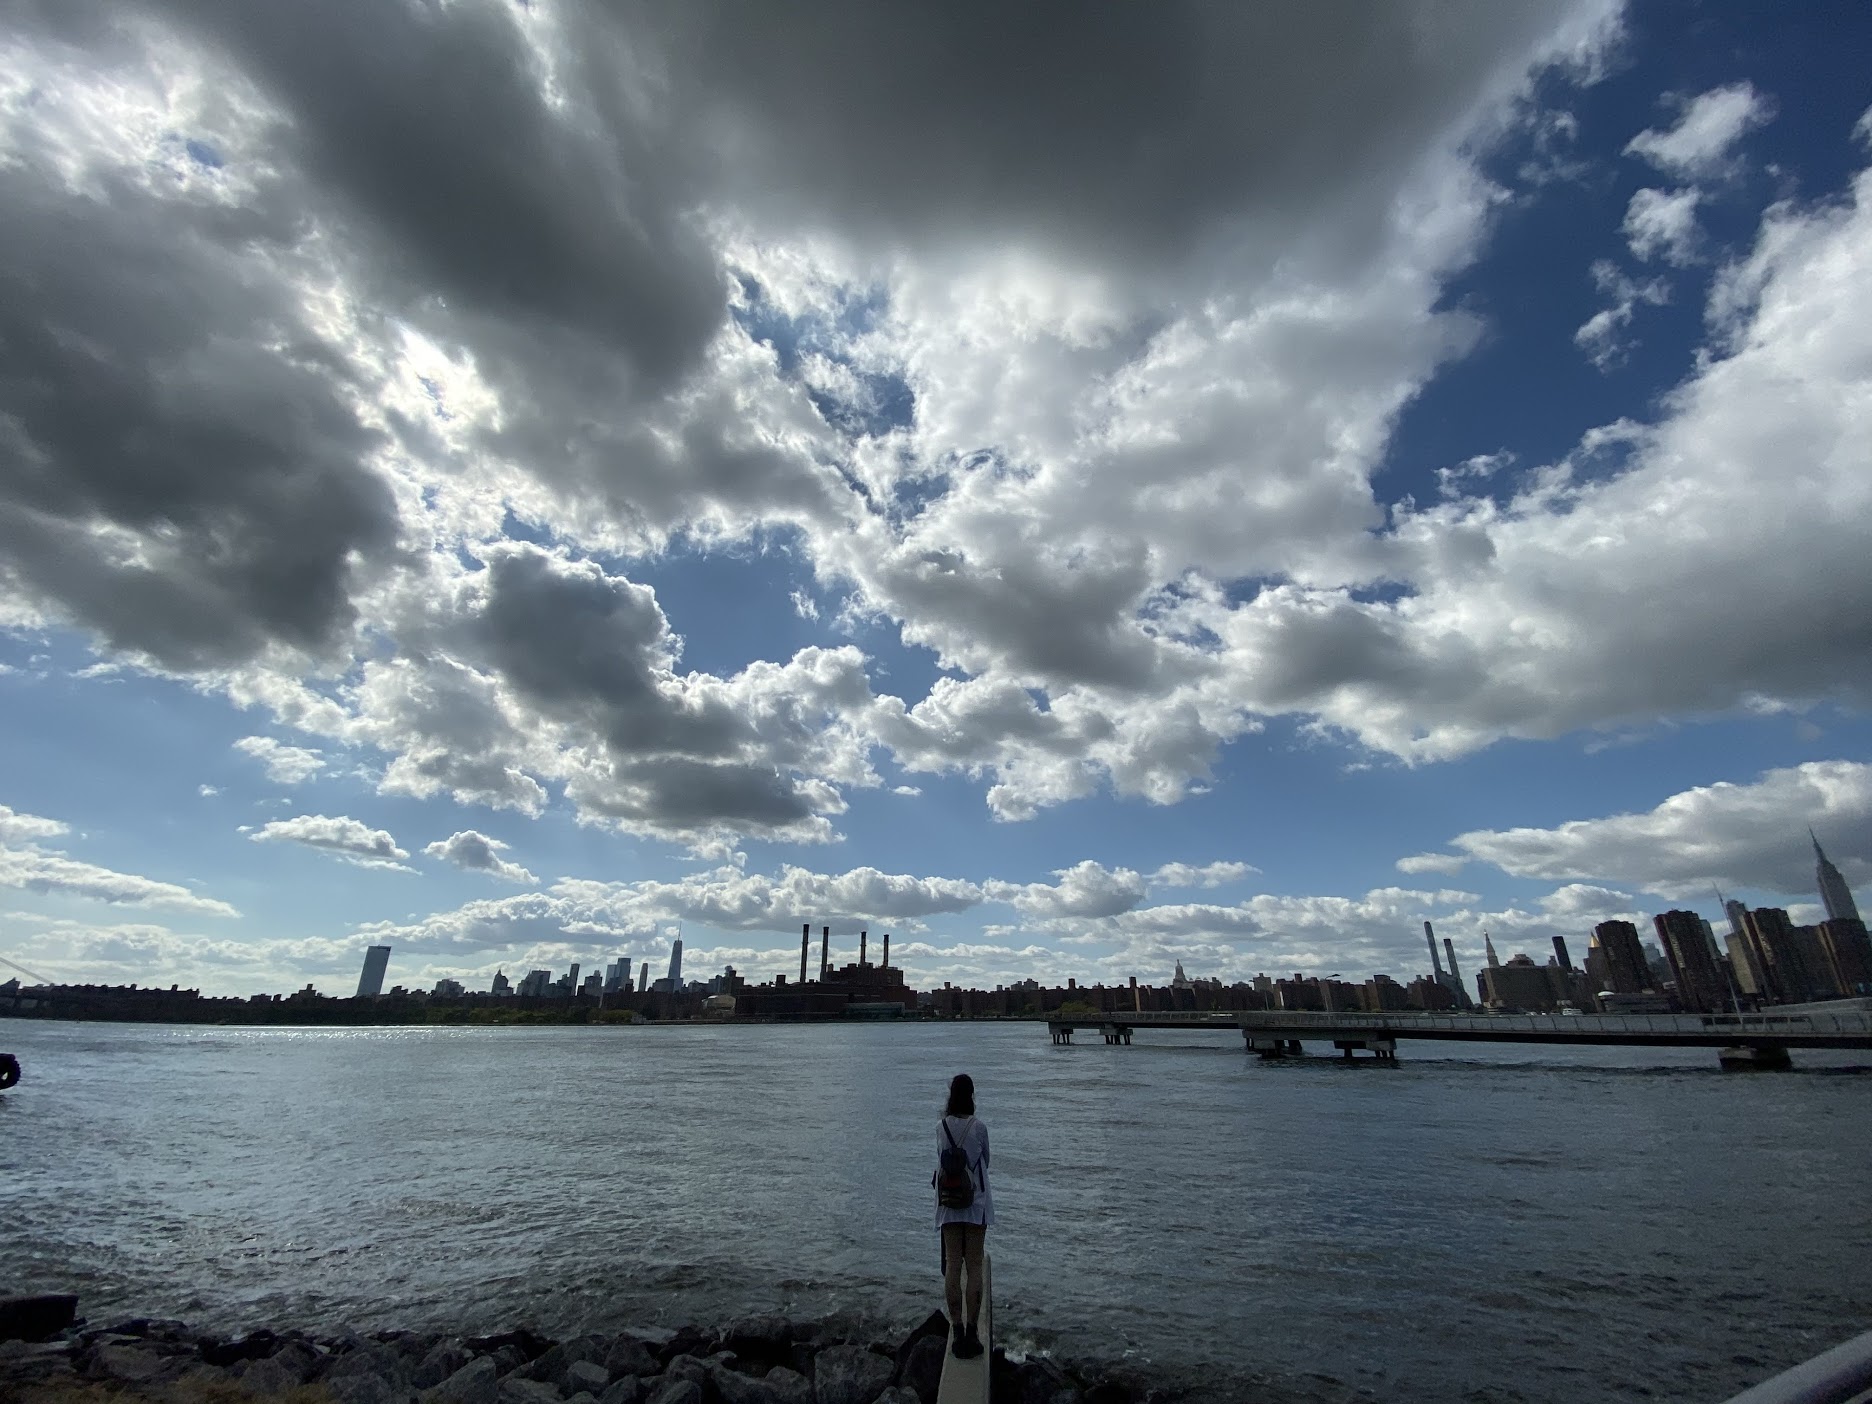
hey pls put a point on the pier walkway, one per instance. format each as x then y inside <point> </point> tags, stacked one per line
<point>1746,1040</point>
<point>966,1381</point>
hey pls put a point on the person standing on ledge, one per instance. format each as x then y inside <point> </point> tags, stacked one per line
<point>964,1209</point>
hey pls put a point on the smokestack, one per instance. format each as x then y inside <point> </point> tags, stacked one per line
<point>887,950</point>
<point>863,937</point>
<point>1435,964</point>
<point>825,951</point>
<point>1560,953</point>
<point>805,940</point>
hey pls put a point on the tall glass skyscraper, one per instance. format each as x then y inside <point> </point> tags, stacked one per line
<point>376,961</point>
<point>675,965</point>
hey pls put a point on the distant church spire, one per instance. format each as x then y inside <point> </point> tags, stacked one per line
<point>1835,895</point>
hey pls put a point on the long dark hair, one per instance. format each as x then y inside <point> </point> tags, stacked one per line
<point>961,1096</point>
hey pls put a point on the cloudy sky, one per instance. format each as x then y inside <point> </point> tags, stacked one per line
<point>1077,488</point>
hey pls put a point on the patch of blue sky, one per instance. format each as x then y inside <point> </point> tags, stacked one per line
<point>733,602</point>
<point>882,404</point>
<point>1528,387</point>
<point>202,153</point>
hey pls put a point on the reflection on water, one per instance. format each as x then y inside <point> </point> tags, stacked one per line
<point>1569,1227</point>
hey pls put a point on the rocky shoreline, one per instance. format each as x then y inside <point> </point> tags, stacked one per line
<point>756,1360</point>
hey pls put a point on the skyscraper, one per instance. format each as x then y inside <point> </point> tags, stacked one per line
<point>1849,953</point>
<point>1700,985</point>
<point>675,965</point>
<point>1455,985</point>
<point>376,961</point>
<point>643,976</point>
<point>1627,971</point>
<point>1835,895</point>
<point>617,976</point>
<point>1771,938</point>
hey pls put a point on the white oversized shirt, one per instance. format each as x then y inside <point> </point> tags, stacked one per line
<point>971,1134</point>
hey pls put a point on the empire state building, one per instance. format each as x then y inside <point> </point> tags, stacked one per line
<point>1834,892</point>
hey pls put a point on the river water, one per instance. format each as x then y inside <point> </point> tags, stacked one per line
<point>1469,1223</point>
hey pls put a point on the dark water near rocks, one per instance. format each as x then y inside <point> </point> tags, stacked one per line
<point>1492,1224</point>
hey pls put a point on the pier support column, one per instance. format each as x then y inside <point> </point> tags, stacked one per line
<point>1267,1047</point>
<point>1773,1058</point>
<point>1383,1049</point>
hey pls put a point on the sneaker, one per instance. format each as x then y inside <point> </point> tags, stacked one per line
<point>968,1344</point>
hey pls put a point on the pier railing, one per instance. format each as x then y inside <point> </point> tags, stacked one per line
<point>1841,1376</point>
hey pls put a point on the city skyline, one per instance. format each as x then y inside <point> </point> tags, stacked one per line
<point>1346,476</point>
<point>1686,959</point>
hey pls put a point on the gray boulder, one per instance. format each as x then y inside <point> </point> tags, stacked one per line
<point>273,1375</point>
<point>677,1392</point>
<point>130,1364</point>
<point>363,1388</point>
<point>898,1394</point>
<point>687,1368</point>
<point>733,1387</point>
<point>627,1389</point>
<point>1043,1382</point>
<point>630,1356</point>
<point>585,1377</point>
<point>789,1385</point>
<point>922,1367</point>
<point>551,1366</point>
<point>515,1390</point>
<point>850,1374</point>
<point>477,1382</point>
<point>440,1361</point>
<point>370,1360</point>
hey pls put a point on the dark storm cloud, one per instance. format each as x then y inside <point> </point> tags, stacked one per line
<point>679,794</point>
<point>1117,129</point>
<point>430,129</point>
<point>164,482</point>
<point>586,646</point>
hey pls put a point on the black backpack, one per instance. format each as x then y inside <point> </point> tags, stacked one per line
<point>955,1186</point>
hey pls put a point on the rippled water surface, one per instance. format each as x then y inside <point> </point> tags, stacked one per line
<point>1494,1224</point>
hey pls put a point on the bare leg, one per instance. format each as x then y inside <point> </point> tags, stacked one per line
<point>953,1249</point>
<point>974,1245</point>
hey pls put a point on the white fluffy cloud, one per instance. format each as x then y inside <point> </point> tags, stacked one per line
<point>478,853</point>
<point>1700,142</point>
<point>1662,223</point>
<point>342,837</point>
<point>1214,874</point>
<point>285,765</point>
<point>26,864</point>
<point>1732,835</point>
<point>1086,889</point>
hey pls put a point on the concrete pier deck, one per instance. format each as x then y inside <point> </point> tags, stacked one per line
<point>966,1381</point>
<point>1276,1033</point>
